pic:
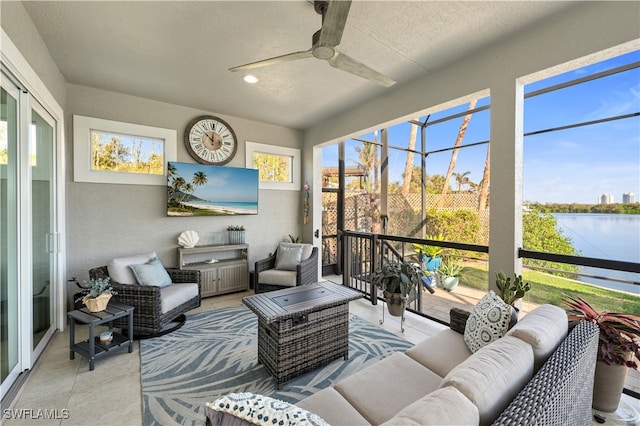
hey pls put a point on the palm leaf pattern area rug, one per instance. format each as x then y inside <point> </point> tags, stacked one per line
<point>215,353</point>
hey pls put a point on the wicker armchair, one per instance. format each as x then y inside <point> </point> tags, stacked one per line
<point>306,272</point>
<point>148,318</point>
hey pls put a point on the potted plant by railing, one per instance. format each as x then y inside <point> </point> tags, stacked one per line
<point>511,291</point>
<point>431,259</point>
<point>449,273</point>
<point>618,350</point>
<point>98,294</point>
<point>397,280</point>
<point>236,234</point>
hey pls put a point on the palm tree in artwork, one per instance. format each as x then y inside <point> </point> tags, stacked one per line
<point>198,179</point>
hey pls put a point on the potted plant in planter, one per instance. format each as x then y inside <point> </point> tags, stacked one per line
<point>449,273</point>
<point>430,254</point>
<point>618,345</point>
<point>236,234</point>
<point>99,292</point>
<point>510,292</point>
<point>397,280</point>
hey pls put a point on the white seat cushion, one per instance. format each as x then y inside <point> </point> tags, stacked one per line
<point>277,277</point>
<point>441,352</point>
<point>384,388</point>
<point>119,270</point>
<point>333,408</point>
<point>175,295</point>
<point>445,406</point>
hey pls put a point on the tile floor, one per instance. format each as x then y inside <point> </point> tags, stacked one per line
<point>111,394</point>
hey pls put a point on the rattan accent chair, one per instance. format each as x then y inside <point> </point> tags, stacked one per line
<point>148,318</point>
<point>306,272</point>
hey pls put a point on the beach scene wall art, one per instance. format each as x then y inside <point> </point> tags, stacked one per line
<point>204,190</point>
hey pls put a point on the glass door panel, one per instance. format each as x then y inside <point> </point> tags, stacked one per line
<point>9,344</point>
<point>41,139</point>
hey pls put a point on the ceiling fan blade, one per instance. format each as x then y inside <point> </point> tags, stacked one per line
<point>348,64</point>
<point>273,61</point>
<point>333,23</point>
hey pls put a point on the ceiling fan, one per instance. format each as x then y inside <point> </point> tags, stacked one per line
<point>334,17</point>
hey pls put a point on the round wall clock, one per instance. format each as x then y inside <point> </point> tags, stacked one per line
<point>210,140</point>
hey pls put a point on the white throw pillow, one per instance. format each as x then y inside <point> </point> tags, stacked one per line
<point>119,270</point>
<point>262,410</point>
<point>488,322</point>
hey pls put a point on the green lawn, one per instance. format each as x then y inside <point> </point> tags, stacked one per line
<point>547,288</point>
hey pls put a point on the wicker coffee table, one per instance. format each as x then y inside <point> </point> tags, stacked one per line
<point>302,328</point>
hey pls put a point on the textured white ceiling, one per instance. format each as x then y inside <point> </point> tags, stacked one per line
<point>180,52</point>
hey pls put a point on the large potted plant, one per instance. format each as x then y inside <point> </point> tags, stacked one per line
<point>618,350</point>
<point>397,281</point>
<point>430,259</point>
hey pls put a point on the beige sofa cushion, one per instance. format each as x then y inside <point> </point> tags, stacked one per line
<point>333,408</point>
<point>441,352</point>
<point>544,329</point>
<point>278,277</point>
<point>384,388</point>
<point>445,406</point>
<point>176,294</point>
<point>493,376</point>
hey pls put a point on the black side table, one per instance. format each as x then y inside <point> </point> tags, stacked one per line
<point>92,348</point>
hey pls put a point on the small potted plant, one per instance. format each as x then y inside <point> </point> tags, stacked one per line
<point>98,294</point>
<point>430,254</point>
<point>449,273</point>
<point>618,350</point>
<point>236,234</point>
<point>397,281</point>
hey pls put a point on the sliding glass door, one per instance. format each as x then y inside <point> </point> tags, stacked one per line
<point>44,239</point>
<point>9,299</point>
<point>29,240</point>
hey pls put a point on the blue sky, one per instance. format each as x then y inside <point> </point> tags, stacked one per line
<point>226,184</point>
<point>575,165</point>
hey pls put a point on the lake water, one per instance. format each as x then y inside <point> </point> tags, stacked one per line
<point>605,236</point>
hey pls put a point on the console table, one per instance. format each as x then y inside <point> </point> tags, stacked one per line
<point>302,328</point>
<point>223,268</point>
<point>92,347</point>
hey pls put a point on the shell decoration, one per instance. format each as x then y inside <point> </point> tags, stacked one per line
<point>188,239</point>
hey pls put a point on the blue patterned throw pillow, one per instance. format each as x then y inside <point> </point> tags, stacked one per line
<point>488,322</point>
<point>263,411</point>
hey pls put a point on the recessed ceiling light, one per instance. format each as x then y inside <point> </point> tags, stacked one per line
<point>251,79</point>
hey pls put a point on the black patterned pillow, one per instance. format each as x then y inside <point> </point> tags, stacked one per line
<point>263,410</point>
<point>488,321</point>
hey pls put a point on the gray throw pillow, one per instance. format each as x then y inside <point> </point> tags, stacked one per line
<point>288,257</point>
<point>151,273</point>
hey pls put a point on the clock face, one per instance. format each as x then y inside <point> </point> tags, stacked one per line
<point>210,140</point>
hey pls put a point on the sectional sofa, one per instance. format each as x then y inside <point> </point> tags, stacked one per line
<point>537,374</point>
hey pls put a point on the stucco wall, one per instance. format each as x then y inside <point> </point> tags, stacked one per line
<point>18,25</point>
<point>109,220</point>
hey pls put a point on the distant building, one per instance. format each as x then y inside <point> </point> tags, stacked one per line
<point>628,198</point>
<point>606,199</point>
